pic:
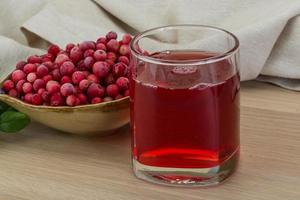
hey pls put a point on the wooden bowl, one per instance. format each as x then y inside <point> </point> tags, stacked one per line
<point>101,119</point>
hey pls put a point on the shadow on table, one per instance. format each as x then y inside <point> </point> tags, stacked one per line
<point>40,137</point>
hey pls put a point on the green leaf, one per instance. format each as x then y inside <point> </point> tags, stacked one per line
<point>13,121</point>
<point>3,107</point>
<point>11,109</point>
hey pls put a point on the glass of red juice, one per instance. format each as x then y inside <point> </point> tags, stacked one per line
<point>184,102</point>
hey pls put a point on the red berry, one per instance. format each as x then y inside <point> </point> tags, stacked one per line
<point>53,87</point>
<point>67,68</point>
<point>109,79</point>
<point>20,65</point>
<point>39,83</point>
<point>111,56</point>
<point>88,62</point>
<point>123,83</point>
<point>61,58</point>
<point>95,90</point>
<point>64,52</point>
<point>82,98</point>
<point>100,55</point>
<point>50,65</point>
<point>31,77</point>
<point>56,75</point>
<point>53,49</point>
<point>34,59</point>
<point>67,89</point>
<point>124,60</point>
<point>69,47</point>
<point>65,79</point>
<point>8,85</point>
<point>72,100</point>
<point>57,100</point>
<point>126,93</point>
<point>86,73</point>
<point>13,93</point>
<point>96,100</point>
<point>88,52</point>
<point>55,66</point>
<point>119,96</point>
<point>41,91</point>
<point>47,78</point>
<point>110,63</point>
<point>111,35</point>
<point>102,40</point>
<point>77,77</point>
<point>28,68</point>
<point>119,69</point>
<point>19,86</point>
<point>87,45</point>
<point>77,89</point>
<point>76,54</point>
<point>42,70</point>
<point>81,66</point>
<point>113,45</point>
<point>101,69</point>
<point>36,99</point>
<point>112,90</point>
<point>48,57</point>
<point>124,50</point>
<point>126,39</point>
<point>18,75</point>
<point>107,99</point>
<point>101,46</point>
<point>46,96</point>
<point>27,87</point>
<point>77,101</point>
<point>93,78</point>
<point>28,97</point>
<point>84,84</point>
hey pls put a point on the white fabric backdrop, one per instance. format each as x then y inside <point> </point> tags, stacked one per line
<point>269,30</point>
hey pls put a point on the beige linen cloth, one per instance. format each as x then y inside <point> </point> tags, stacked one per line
<point>269,30</point>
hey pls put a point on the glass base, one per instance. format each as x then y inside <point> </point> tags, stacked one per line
<point>189,177</point>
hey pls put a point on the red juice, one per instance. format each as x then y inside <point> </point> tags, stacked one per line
<point>185,117</point>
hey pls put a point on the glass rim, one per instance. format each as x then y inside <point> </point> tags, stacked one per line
<point>202,61</point>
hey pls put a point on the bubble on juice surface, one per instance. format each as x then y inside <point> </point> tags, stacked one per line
<point>200,86</point>
<point>161,54</point>
<point>147,84</point>
<point>203,85</point>
<point>184,70</point>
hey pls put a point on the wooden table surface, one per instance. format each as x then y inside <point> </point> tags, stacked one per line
<point>48,165</point>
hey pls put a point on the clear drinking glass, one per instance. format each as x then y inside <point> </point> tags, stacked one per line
<point>185,105</point>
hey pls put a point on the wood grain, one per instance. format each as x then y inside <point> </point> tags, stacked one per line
<point>45,164</point>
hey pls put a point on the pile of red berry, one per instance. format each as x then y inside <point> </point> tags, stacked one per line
<point>89,72</point>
